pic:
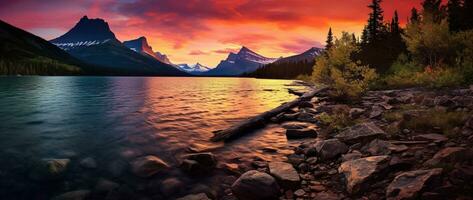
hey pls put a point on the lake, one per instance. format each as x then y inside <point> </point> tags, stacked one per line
<point>116,119</point>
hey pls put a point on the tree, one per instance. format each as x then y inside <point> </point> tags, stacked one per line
<point>348,78</point>
<point>455,12</point>
<point>329,39</point>
<point>415,18</point>
<point>432,10</point>
<point>395,29</point>
<point>375,21</point>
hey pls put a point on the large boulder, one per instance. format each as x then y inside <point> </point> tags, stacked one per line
<point>364,132</point>
<point>409,185</point>
<point>449,155</point>
<point>381,147</point>
<point>49,169</point>
<point>200,196</point>
<point>296,125</point>
<point>285,173</point>
<point>329,149</point>
<point>255,185</point>
<point>359,172</point>
<point>301,133</point>
<point>148,166</point>
<point>198,163</point>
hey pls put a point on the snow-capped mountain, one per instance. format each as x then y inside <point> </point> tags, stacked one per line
<point>141,45</point>
<point>195,68</point>
<point>92,42</point>
<point>87,32</point>
<point>306,55</point>
<point>245,60</point>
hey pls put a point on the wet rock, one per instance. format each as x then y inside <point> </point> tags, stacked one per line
<point>431,137</point>
<point>299,193</point>
<point>449,155</point>
<point>199,163</point>
<point>200,196</point>
<point>306,117</point>
<point>148,166</point>
<point>49,169</point>
<point>301,133</point>
<point>306,104</point>
<point>74,195</point>
<point>310,152</point>
<point>285,173</point>
<point>104,185</point>
<point>255,185</point>
<point>356,112</point>
<point>408,185</point>
<point>171,186</point>
<point>231,168</point>
<point>359,172</point>
<point>364,132</point>
<point>296,125</point>
<point>329,149</point>
<point>88,163</point>
<point>116,168</point>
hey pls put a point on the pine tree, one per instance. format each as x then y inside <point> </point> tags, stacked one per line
<point>375,21</point>
<point>432,10</point>
<point>329,39</point>
<point>467,14</point>
<point>414,16</point>
<point>364,36</point>
<point>455,11</point>
<point>353,38</point>
<point>395,24</point>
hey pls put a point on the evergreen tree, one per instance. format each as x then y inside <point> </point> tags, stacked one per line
<point>375,21</point>
<point>353,38</point>
<point>455,11</point>
<point>467,14</point>
<point>364,36</point>
<point>395,24</point>
<point>329,39</point>
<point>414,16</point>
<point>432,10</point>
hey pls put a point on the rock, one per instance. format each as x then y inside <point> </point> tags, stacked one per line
<point>301,133</point>
<point>449,155</point>
<point>327,195</point>
<point>200,196</point>
<point>285,173</point>
<point>469,123</point>
<point>310,152</point>
<point>386,106</point>
<point>356,112</point>
<point>255,185</point>
<point>199,163</point>
<point>381,147</point>
<point>376,112</point>
<point>296,125</point>
<point>104,185</point>
<point>148,166</point>
<point>295,159</point>
<point>49,169</point>
<point>116,168</point>
<point>329,149</point>
<point>351,156</point>
<point>231,168</point>
<point>299,193</point>
<point>432,137</point>
<point>306,117</point>
<point>364,132</point>
<point>88,163</point>
<point>408,185</point>
<point>312,160</point>
<point>171,186</point>
<point>359,172</point>
<point>74,195</point>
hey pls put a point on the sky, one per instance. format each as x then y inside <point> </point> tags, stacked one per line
<point>205,31</point>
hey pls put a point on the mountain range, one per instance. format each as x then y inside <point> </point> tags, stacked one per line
<point>245,60</point>
<point>91,47</point>
<point>92,42</point>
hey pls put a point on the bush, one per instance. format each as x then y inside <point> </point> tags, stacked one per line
<point>337,69</point>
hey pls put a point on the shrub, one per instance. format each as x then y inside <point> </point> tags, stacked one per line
<point>337,69</point>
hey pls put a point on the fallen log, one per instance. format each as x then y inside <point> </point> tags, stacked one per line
<point>261,119</point>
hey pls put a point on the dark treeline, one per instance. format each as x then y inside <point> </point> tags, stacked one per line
<point>283,70</point>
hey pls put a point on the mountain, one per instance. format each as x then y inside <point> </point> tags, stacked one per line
<point>290,67</point>
<point>306,55</point>
<point>141,45</point>
<point>26,54</point>
<point>193,69</point>
<point>245,60</point>
<point>92,42</point>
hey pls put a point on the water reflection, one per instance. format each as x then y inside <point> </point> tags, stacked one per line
<point>115,119</point>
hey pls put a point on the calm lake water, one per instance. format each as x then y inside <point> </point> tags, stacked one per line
<point>116,119</point>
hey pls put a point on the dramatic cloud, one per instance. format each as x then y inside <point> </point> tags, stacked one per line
<point>205,30</point>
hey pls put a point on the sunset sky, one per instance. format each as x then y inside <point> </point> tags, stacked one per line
<point>204,31</point>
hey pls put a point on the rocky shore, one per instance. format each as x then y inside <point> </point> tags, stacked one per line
<point>397,144</point>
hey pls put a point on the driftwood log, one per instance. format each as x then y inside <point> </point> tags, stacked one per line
<point>260,120</point>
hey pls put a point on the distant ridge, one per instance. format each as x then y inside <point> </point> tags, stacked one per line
<point>142,46</point>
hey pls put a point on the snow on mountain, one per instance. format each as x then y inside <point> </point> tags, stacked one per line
<point>307,55</point>
<point>245,60</point>
<point>195,68</point>
<point>87,32</point>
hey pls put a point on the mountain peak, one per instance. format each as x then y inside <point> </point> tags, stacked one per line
<point>85,33</point>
